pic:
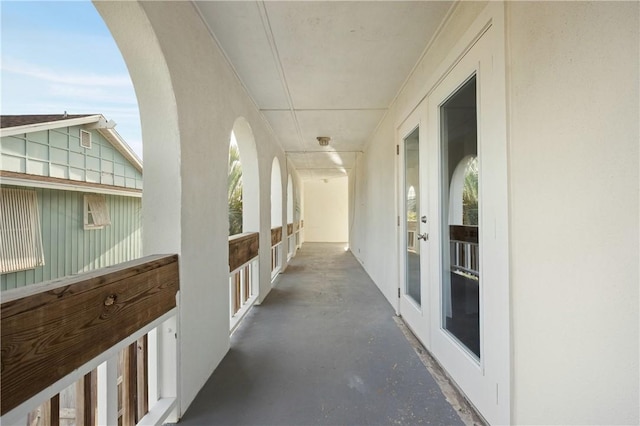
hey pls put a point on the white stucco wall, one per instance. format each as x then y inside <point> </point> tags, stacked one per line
<point>325,206</point>
<point>573,99</point>
<point>276,194</point>
<point>373,233</point>
<point>180,74</point>
<point>373,229</point>
<point>574,86</point>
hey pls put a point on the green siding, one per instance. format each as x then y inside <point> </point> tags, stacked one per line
<point>69,248</point>
<point>57,153</point>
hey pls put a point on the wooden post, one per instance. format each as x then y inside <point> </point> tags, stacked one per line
<point>90,398</point>
<point>129,381</point>
<point>142,368</point>
<point>54,411</point>
<point>247,282</point>
<point>237,298</point>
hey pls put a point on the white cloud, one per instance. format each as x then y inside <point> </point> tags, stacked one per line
<point>99,94</point>
<point>64,76</point>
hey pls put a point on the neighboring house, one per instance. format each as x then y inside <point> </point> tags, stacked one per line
<point>71,193</point>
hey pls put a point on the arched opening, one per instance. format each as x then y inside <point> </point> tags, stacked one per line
<point>276,194</point>
<point>234,188</point>
<point>289,200</point>
<point>244,218</point>
<point>276,218</point>
<point>291,242</point>
<point>248,158</point>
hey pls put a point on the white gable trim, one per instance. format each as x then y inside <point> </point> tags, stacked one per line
<point>37,127</point>
<point>78,186</point>
<point>99,123</point>
<point>121,146</point>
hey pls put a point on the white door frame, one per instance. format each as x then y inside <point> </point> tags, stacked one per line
<point>416,317</point>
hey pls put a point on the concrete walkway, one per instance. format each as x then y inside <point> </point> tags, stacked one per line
<point>323,349</point>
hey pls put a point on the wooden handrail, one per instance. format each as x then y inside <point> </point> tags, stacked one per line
<point>464,233</point>
<point>276,235</point>
<point>51,329</point>
<point>242,248</point>
<point>290,229</point>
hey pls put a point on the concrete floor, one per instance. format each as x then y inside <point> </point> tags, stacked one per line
<point>322,349</point>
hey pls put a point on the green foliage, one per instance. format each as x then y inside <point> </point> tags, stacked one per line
<point>234,188</point>
<point>470,194</point>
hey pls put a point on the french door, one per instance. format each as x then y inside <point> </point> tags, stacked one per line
<point>453,227</point>
<point>413,291</point>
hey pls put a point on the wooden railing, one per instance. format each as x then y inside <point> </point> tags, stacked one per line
<point>276,244</point>
<point>465,251</point>
<point>243,275</point>
<point>71,331</point>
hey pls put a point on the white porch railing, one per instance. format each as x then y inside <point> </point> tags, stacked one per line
<point>464,249</point>
<point>291,243</point>
<point>298,238</point>
<point>243,290</point>
<point>464,257</point>
<point>244,275</point>
<point>276,261</point>
<point>81,336</point>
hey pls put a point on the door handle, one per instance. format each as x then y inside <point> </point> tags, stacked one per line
<point>424,236</point>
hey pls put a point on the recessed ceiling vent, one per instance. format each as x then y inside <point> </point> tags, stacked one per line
<point>323,140</point>
<point>85,139</point>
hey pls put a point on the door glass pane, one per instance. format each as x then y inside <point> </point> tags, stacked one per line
<point>460,199</point>
<point>412,208</point>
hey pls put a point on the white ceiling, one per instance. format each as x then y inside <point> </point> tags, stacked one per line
<point>323,68</point>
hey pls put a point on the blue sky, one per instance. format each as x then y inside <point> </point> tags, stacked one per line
<point>59,56</point>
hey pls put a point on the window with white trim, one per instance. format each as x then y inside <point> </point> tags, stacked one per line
<point>20,233</point>
<point>96,214</point>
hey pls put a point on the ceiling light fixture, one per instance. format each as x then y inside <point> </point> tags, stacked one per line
<point>323,140</point>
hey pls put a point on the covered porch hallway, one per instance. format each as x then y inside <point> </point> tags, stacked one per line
<point>323,348</point>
